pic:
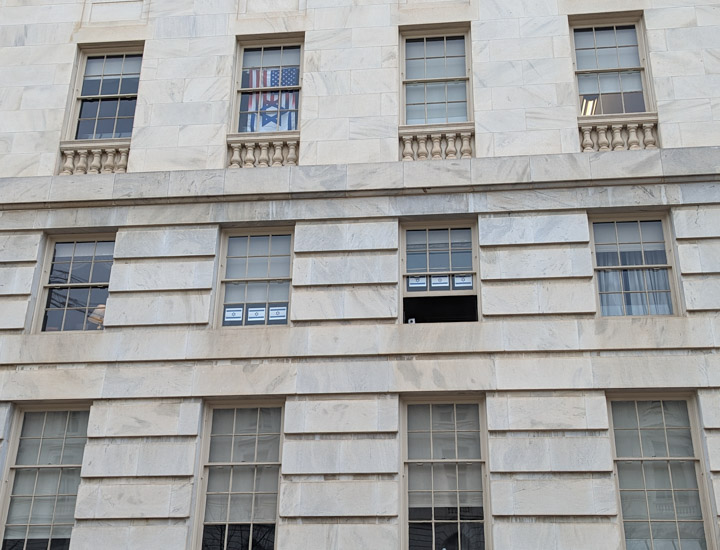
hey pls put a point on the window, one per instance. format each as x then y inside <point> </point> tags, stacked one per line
<point>436,79</point>
<point>439,276</point>
<point>257,280</point>
<point>632,268</point>
<point>107,96</point>
<point>77,287</point>
<point>609,70</point>
<point>44,477</point>
<point>269,88</point>
<point>444,473</point>
<point>658,475</point>
<point>242,473</point>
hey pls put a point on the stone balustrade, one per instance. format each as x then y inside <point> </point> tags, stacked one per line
<point>97,156</point>
<point>262,150</point>
<point>437,141</point>
<point>618,132</point>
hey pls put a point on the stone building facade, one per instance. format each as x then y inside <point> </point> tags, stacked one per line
<point>344,274</point>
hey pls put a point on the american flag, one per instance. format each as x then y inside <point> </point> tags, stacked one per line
<point>266,103</point>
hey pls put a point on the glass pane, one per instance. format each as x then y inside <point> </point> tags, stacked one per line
<point>108,109</point>
<point>89,108</point>
<point>436,93</point>
<point>609,281</point>
<point>627,443</point>
<point>692,536</point>
<point>443,417</point>
<point>586,60</point>
<point>279,291</point>
<point>42,510</point>
<point>439,260</point>
<point>445,505</point>
<point>443,445</point>
<point>455,66</point>
<point>415,93</point>
<point>47,482</point>
<point>418,477</point>
<point>69,481</point>
<point>246,421</point>
<point>268,448</point>
<point>291,55</point>
<point>456,91</point>
<point>655,254</point>
<point>91,86</point>
<point>220,448</point>
<point>267,479</point>
<point>418,417</point>
<point>257,292</point>
<point>419,506</point>
<point>446,536</point>
<point>28,451</point>
<point>635,304</point>
<point>218,479</point>
<point>436,113</point>
<point>468,444</point>
<point>252,57</point>
<point>629,56</point>
<point>24,483</point>
<point>265,507</point>
<point>127,107</point>
<point>243,479</point>
<point>683,475</point>
<point>65,509</point>
<point>657,475</point>
<point>444,477</point>
<point>123,127</point>
<point>584,38</point>
<point>415,114</point>
<point>604,36</point>
<point>653,443</point>
<point>418,445</point>
<point>50,451</point>
<point>588,85</point>
<point>652,231</point>
<point>626,35</point>
<point>632,82</point>
<point>257,267</point>
<point>415,48</point>
<point>687,504</point>
<point>606,255</point>
<point>280,266</point>
<point>222,422</point>
<point>240,507</point>
<point>271,56</point>
<point>471,505</point>
<point>113,64</point>
<point>236,268</point>
<point>263,538</point>
<point>420,536</point>
<point>416,262</point>
<point>660,505</point>
<point>132,64</point>
<point>469,477</point>
<point>637,536</point>
<point>216,508</point>
<point>634,102</point>
<point>604,233</point>
<point>676,414</point>
<point>259,246</point>
<point>455,46</point>
<point>213,537</point>
<point>634,505</point>
<point>611,304</point>
<point>269,420</point>
<point>237,246</point>
<point>243,448</point>
<point>610,83</point>
<point>105,128</point>
<point>630,475</point>
<point>679,442</point>
<point>94,66</point>
<point>612,103</point>
<point>457,112</point>
<point>650,414</point>
<point>467,417</point>
<point>78,298</point>
<point>414,69</point>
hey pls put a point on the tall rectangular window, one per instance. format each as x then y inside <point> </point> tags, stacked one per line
<point>444,473</point>
<point>256,281</point>
<point>108,96</point>
<point>657,471</point>
<point>77,285</point>
<point>609,70</point>
<point>269,88</point>
<point>242,472</point>
<point>633,270</point>
<point>44,477</point>
<point>436,79</point>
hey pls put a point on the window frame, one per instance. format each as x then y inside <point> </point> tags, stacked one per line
<point>634,18</point>
<point>700,458</point>
<point>42,294</point>
<point>436,31</point>
<point>669,253</point>
<point>10,467</point>
<point>204,462</point>
<point>433,399</point>
<point>222,266</point>
<point>291,39</point>
<point>85,52</point>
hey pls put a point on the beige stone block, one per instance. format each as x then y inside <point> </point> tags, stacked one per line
<point>537,373</point>
<point>134,500</point>
<point>702,292</point>
<point>699,257</point>
<point>655,371</point>
<point>542,453</point>
<point>166,308</point>
<point>331,237</point>
<point>150,381</point>
<point>342,415</point>
<point>346,302</point>
<point>339,499</point>
<point>251,378</point>
<point>16,280</point>
<point>25,189</point>
<point>167,241</point>
<point>560,535</point>
<point>142,418</point>
<point>713,445</point>
<point>440,172</point>
<point>126,537</point>
<point>19,247</point>
<point>709,405</point>
<point>559,495</point>
<point>139,457</point>
<point>340,456</point>
<point>533,229</point>
<point>54,383</point>
<point>691,222</point>
<point>654,332</point>
<point>338,536</point>
<point>165,275</point>
<point>14,312</point>
<point>535,262</point>
<point>547,411</point>
<point>375,176</point>
<point>444,375</point>
<point>346,268</point>
<point>538,297</point>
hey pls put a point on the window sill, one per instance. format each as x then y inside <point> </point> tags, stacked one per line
<point>263,149</point>
<point>437,141</point>
<point>94,156</point>
<point>618,132</point>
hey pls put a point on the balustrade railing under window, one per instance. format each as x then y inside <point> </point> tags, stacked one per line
<point>106,156</point>
<point>437,141</point>
<point>262,150</point>
<point>618,132</point>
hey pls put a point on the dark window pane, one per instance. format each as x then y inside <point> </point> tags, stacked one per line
<point>612,103</point>
<point>238,537</point>
<point>85,129</point>
<point>78,297</point>
<point>127,107</point>
<point>462,260</point>
<point>248,122</point>
<point>37,544</point>
<point>60,544</point>
<point>129,85</point>
<point>89,108</point>
<point>634,102</point>
<point>132,64</point>
<point>108,107</point>
<point>472,536</point>
<point>80,272</point>
<point>263,537</point>
<point>113,64</point>
<point>420,536</point>
<point>101,272</point>
<point>104,250</point>
<point>213,537</point>
<point>59,273</point>
<point>110,86</point>
<point>13,544</point>
<point>290,76</point>
<point>91,86</point>
<point>104,128</point>
<point>53,320</point>
<point>74,319</point>
<point>123,128</point>
<point>446,536</point>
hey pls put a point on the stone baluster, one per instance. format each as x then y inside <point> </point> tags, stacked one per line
<point>603,143</point>
<point>235,159</point>
<point>292,153</point>
<point>109,166</point>
<point>617,140</point>
<point>465,149</point>
<point>451,151</point>
<point>81,167</point>
<point>69,163</point>
<point>407,153</point>
<point>249,156</point>
<point>587,142</point>
<point>633,141</point>
<point>122,163</point>
<point>277,159</point>
<point>94,167</point>
<point>422,147</point>
<point>264,159</point>
<point>436,151</point>
<point>649,138</point>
